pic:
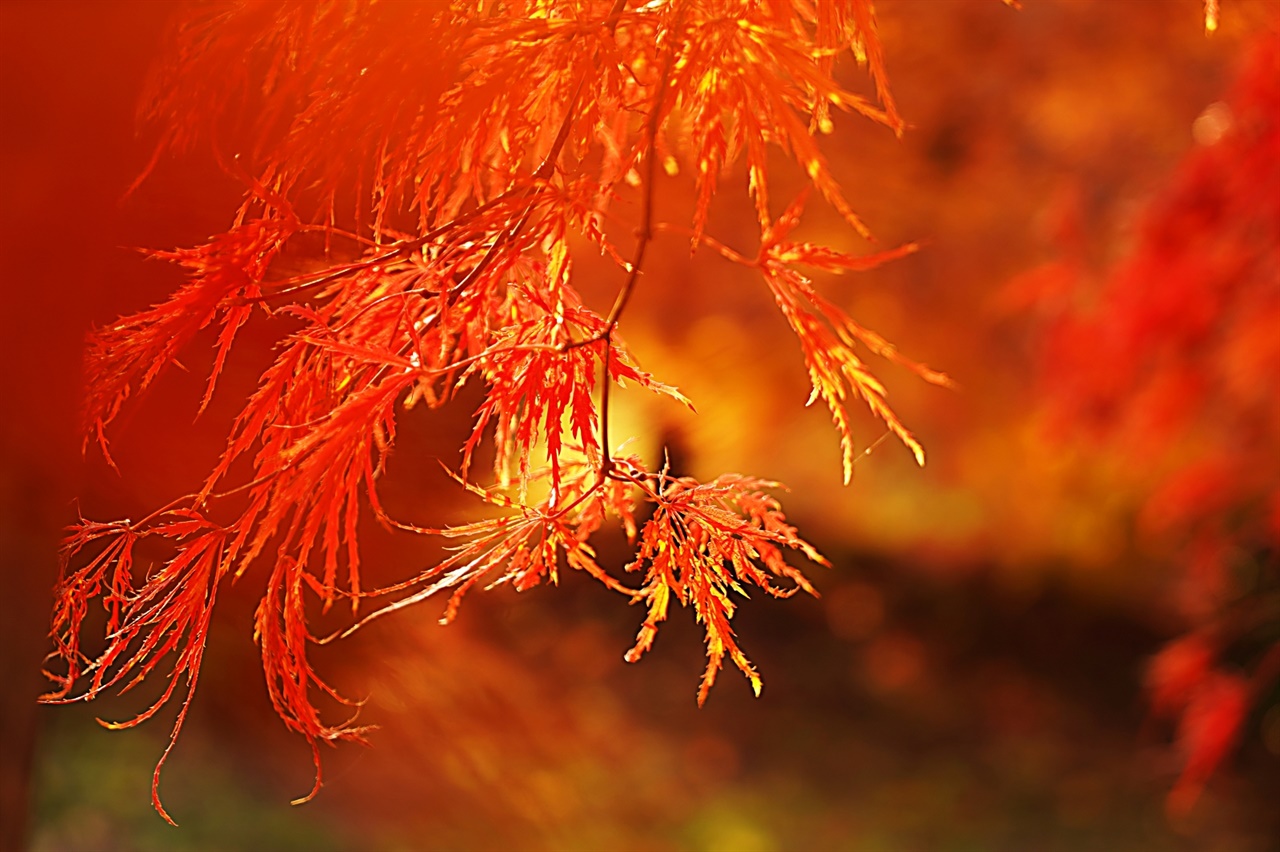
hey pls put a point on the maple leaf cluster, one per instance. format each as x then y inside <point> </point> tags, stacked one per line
<point>1176,363</point>
<point>482,146</point>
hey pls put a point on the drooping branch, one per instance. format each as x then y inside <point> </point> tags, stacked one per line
<point>506,141</point>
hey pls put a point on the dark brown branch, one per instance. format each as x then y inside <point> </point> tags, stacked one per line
<point>644,233</point>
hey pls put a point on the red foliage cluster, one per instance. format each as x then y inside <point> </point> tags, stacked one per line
<point>1177,363</point>
<point>483,144</point>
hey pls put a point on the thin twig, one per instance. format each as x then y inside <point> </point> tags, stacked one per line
<point>643,235</point>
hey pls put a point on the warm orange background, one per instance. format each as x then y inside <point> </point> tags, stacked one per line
<point>970,678</point>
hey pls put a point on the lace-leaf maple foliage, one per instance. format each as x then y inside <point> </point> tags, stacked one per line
<point>1174,364</point>
<point>484,144</point>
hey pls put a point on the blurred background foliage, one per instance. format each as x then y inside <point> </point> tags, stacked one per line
<point>971,676</point>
